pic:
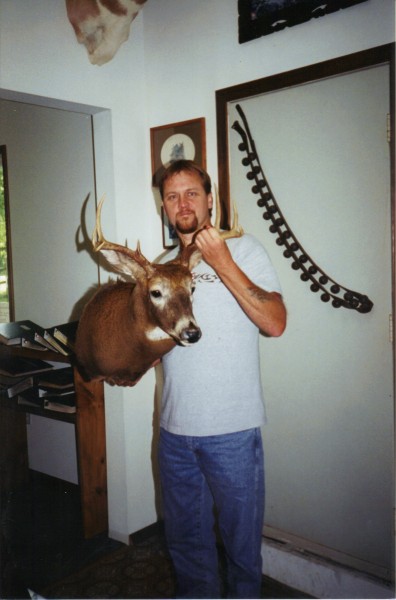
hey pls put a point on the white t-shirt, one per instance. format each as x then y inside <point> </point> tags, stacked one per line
<point>214,387</point>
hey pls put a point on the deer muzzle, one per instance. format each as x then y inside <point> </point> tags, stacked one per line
<point>190,336</point>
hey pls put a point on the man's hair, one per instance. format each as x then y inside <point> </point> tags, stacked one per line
<point>179,166</point>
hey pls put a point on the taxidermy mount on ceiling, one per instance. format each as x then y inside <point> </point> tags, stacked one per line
<point>102,25</point>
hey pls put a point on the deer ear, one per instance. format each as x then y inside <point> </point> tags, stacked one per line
<point>126,262</point>
<point>190,256</point>
<point>194,259</point>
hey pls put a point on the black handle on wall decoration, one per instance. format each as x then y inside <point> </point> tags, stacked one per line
<point>310,271</point>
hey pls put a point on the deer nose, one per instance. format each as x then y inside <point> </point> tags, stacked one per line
<point>192,335</point>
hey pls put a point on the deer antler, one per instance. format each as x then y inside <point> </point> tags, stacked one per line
<point>118,256</point>
<point>236,229</point>
<point>99,241</point>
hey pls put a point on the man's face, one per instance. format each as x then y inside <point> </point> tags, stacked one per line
<point>186,202</point>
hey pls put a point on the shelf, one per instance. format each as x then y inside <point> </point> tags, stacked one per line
<point>29,353</point>
<point>89,421</point>
<point>12,404</point>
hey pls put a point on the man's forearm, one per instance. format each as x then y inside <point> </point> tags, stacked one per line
<point>265,309</point>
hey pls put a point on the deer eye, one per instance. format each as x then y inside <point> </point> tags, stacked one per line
<point>155,294</point>
<point>192,289</point>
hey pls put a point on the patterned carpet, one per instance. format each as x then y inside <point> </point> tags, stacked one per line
<point>43,550</point>
<point>142,570</point>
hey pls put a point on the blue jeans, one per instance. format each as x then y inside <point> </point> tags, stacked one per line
<point>198,473</point>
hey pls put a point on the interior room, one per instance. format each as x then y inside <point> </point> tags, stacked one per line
<point>317,99</point>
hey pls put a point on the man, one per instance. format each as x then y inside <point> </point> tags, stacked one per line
<point>210,449</point>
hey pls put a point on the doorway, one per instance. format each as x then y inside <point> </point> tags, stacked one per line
<point>328,382</point>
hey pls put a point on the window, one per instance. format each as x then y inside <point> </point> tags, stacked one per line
<point>6,288</point>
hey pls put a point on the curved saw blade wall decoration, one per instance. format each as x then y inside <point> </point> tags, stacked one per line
<point>301,261</point>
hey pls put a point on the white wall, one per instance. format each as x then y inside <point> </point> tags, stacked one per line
<point>179,53</point>
<point>192,49</point>
<point>39,55</point>
<point>48,442</point>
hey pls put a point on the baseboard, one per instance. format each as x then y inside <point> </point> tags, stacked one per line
<point>319,577</point>
<point>147,532</point>
<point>290,566</point>
<point>119,537</point>
<point>138,536</point>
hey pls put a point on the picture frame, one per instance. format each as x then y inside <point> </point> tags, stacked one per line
<point>262,17</point>
<point>169,235</point>
<point>186,139</point>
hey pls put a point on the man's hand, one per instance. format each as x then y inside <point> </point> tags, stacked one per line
<point>214,250</point>
<point>265,309</point>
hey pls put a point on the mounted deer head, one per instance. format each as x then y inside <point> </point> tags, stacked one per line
<point>128,326</point>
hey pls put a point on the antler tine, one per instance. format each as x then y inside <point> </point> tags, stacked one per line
<point>99,242</point>
<point>218,208</point>
<point>236,229</point>
<point>98,239</point>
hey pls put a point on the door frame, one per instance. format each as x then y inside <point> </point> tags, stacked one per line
<point>377,56</point>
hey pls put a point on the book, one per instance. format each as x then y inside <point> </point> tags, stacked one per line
<point>67,398</point>
<point>7,380</point>
<point>56,344</point>
<point>59,407</point>
<point>11,386</point>
<point>33,345</point>
<point>31,397</point>
<point>58,379</point>
<point>47,405</point>
<point>18,365</point>
<point>65,333</point>
<point>62,403</point>
<point>34,338</point>
<point>40,339</point>
<point>12,333</point>
<point>30,335</point>
<point>23,384</point>
<point>58,395</point>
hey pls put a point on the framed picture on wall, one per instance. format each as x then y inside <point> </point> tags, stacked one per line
<point>262,17</point>
<point>169,235</point>
<point>176,141</point>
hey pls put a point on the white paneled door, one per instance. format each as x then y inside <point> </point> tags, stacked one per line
<point>329,380</point>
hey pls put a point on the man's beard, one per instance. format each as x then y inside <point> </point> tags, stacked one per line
<point>189,225</point>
